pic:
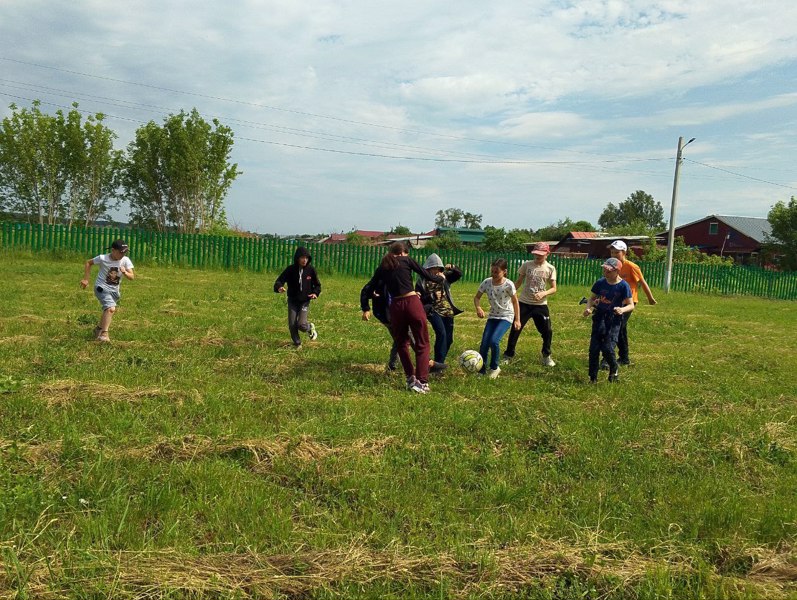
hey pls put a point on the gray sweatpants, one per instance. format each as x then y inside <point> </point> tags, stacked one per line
<point>297,319</point>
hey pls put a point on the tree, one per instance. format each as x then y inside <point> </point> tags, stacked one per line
<point>450,217</point>
<point>559,230</point>
<point>499,240</point>
<point>639,212</point>
<point>177,176</point>
<point>448,241</point>
<point>472,221</point>
<point>401,230</point>
<point>355,239</point>
<point>57,168</point>
<point>783,220</point>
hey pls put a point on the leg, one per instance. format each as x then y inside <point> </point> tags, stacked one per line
<point>622,340</point>
<point>105,323</point>
<point>595,339</point>
<point>420,332</point>
<point>440,340</point>
<point>485,343</point>
<point>302,322</point>
<point>612,331</point>
<point>293,318</point>
<point>514,334</point>
<point>400,332</point>
<point>448,322</point>
<point>499,330</point>
<point>542,321</point>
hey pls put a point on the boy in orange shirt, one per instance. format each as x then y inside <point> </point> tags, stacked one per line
<point>632,274</point>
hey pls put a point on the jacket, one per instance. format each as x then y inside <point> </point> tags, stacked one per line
<point>302,281</point>
<point>451,275</point>
<point>375,292</point>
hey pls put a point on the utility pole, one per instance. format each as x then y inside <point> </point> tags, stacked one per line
<point>671,237</point>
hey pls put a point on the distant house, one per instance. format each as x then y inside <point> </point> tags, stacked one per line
<point>595,244</point>
<point>373,237</point>
<point>739,237</point>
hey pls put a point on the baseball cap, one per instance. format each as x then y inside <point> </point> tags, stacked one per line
<point>612,263</point>
<point>618,245</point>
<point>541,248</point>
<point>120,245</point>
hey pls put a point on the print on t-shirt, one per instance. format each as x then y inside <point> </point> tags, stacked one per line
<point>112,278</point>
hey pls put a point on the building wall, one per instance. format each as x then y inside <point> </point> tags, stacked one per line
<point>698,235</point>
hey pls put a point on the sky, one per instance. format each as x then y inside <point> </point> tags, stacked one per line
<point>370,114</point>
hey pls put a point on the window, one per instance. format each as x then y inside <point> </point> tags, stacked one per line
<point>713,228</point>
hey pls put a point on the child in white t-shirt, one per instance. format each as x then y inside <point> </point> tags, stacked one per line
<point>504,313</point>
<point>106,287</point>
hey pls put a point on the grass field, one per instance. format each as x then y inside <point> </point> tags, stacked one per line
<point>200,456</point>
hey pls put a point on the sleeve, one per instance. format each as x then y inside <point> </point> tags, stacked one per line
<point>423,272</point>
<point>596,288</point>
<point>636,273</point>
<point>453,274</point>
<point>553,273</point>
<point>316,283</point>
<point>128,263</point>
<point>628,293</point>
<point>483,287</point>
<point>97,259</point>
<point>368,291</point>
<point>511,287</point>
<point>283,277</point>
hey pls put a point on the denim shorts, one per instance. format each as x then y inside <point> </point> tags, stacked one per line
<point>108,298</point>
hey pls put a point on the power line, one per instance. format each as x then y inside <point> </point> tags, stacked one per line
<point>741,175</point>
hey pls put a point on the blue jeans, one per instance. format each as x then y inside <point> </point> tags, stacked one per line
<point>443,335</point>
<point>494,330</point>
<point>605,329</point>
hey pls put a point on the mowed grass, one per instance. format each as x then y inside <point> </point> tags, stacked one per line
<point>200,456</point>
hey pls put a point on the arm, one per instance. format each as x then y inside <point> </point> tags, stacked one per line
<point>279,284</point>
<point>516,306</point>
<point>549,292</point>
<point>368,291</point>
<point>452,273</point>
<point>424,273</point>
<point>86,272</point>
<point>590,305</point>
<point>477,304</point>
<point>628,306</point>
<point>521,277</point>
<point>648,293</point>
<point>128,273</point>
<point>315,291</point>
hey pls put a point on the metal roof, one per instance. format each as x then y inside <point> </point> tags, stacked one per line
<point>757,228</point>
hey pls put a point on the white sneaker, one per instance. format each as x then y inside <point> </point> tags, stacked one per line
<point>546,360</point>
<point>494,373</point>
<point>312,333</point>
<point>411,381</point>
<point>420,388</point>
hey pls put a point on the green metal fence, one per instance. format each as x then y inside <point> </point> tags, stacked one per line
<point>261,254</point>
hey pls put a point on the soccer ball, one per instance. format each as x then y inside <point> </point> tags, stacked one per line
<point>471,361</point>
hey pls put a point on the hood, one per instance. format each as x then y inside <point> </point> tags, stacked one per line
<point>302,251</point>
<point>433,261</point>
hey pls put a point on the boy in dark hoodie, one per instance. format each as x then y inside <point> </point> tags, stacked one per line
<point>303,286</point>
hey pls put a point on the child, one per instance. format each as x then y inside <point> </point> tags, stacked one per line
<point>612,297</point>
<point>303,286</point>
<point>504,313</point>
<point>632,275</point>
<point>107,285</point>
<point>539,277</point>
<point>375,292</point>
<point>406,313</point>
<point>439,307</point>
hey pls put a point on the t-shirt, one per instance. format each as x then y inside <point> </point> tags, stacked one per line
<point>610,295</point>
<point>500,297</point>
<point>631,274</point>
<point>110,275</point>
<point>536,280</point>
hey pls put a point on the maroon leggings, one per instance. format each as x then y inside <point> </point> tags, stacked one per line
<point>407,313</point>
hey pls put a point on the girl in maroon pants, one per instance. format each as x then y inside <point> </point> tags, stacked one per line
<point>407,313</point>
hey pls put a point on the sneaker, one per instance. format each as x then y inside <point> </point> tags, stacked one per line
<point>297,346</point>
<point>438,367</point>
<point>390,367</point>
<point>604,365</point>
<point>546,360</point>
<point>420,388</point>
<point>505,360</point>
<point>614,376</point>
<point>411,381</point>
<point>494,373</point>
<point>103,337</point>
<point>97,331</point>
<point>623,361</point>
<point>312,334</point>
<point>593,380</point>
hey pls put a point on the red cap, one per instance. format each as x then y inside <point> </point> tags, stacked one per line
<point>541,248</point>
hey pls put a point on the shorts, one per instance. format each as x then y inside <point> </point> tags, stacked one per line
<point>108,298</point>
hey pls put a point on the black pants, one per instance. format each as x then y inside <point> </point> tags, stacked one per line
<point>542,321</point>
<point>622,339</point>
<point>605,329</point>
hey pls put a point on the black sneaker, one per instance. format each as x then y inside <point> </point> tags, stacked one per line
<point>623,361</point>
<point>438,367</point>
<point>613,377</point>
<point>604,365</point>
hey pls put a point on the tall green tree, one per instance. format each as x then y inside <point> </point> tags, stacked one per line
<point>782,218</point>
<point>638,211</point>
<point>557,231</point>
<point>450,217</point>
<point>499,240</point>
<point>401,230</point>
<point>177,175</point>
<point>56,168</point>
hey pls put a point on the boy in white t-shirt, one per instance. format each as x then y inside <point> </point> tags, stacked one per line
<point>106,287</point>
<point>504,313</point>
<point>536,281</point>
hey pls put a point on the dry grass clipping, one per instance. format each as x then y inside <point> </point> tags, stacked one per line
<point>150,575</point>
<point>63,392</point>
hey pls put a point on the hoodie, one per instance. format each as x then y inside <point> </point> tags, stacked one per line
<point>302,281</point>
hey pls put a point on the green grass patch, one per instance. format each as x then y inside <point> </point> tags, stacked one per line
<point>200,456</point>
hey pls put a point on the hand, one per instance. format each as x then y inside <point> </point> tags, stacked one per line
<point>312,296</point>
<point>480,312</point>
<point>587,312</point>
<point>449,266</point>
<point>84,283</point>
<point>516,325</point>
<point>618,310</point>
<point>538,296</point>
<point>281,290</point>
<point>366,315</point>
